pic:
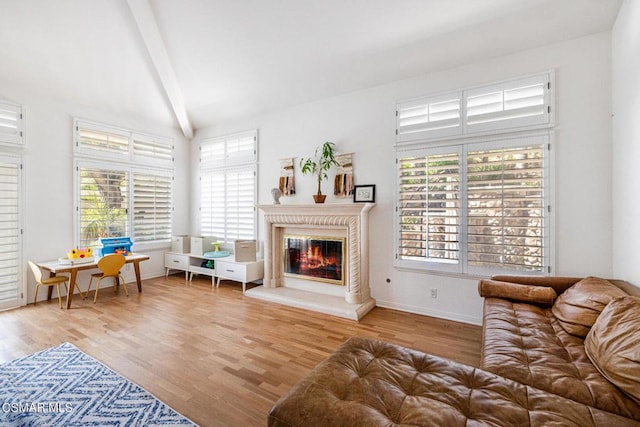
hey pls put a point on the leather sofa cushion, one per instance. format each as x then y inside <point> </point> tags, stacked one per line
<point>373,383</point>
<point>516,292</point>
<point>525,342</point>
<point>578,307</point>
<point>613,344</point>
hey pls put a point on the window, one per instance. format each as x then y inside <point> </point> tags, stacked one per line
<point>498,108</point>
<point>10,231</point>
<point>104,203</point>
<point>151,206</point>
<point>10,123</point>
<point>131,195</point>
<point>228,186</point>
<point>477,206</point>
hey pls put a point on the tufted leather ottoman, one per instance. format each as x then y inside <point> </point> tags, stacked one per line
<point>374,383</point>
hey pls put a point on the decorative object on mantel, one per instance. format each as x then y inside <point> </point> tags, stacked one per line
<point>287,183</point>
<point>276,193</point>
<point>343,182</point>
<point>364,194</point>
<point>323,160</point>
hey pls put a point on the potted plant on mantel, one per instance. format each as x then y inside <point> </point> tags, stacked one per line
<point>319,165</point>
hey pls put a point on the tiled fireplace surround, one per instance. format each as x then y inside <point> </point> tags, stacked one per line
<point>348,220</point>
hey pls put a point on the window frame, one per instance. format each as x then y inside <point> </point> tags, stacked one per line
<point>129,162</point>
<point>228,164</point>
<point>472,140</point>
<point>12,139</point>
<point>466,130</point>
<point>19,161</point>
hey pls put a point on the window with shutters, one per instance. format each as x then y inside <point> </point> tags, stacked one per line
<point>478,205</point>
<point>10,231</point>
<point>151,206</point>
<point>228,186</point>
<point>131,194</point>
<point>104,203</point>
<point>11,118</point>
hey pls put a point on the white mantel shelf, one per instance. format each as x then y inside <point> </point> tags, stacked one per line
<point>353,220</point>
<point>318,209</point>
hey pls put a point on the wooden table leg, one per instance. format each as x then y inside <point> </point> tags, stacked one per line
<point>72,285</point>
<point>136,267</point>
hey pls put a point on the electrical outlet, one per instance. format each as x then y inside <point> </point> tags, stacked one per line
<point>434,293</point>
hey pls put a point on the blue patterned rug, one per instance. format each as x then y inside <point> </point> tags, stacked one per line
<point>62,386</point>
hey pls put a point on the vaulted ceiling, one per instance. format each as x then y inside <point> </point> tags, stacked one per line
<point>194,63</point>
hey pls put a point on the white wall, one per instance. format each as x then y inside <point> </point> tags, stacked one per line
<point>363,122</point>
<point>626,142</point>
<point>48,178</point>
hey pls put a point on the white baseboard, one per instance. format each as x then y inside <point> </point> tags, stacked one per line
<point>457,317</point>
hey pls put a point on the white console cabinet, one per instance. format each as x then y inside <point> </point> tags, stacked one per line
<point>225,268</point>
<point>174,261</point>
<point>240,271</point>
<point>189,263</point>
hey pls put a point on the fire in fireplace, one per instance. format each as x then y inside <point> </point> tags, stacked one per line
<point>314,258</point>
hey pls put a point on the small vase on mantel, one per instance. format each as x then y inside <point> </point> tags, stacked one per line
<point>319,198</point>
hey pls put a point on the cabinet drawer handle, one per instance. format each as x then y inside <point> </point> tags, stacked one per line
<point>176,261</point>
<point>230,271</point>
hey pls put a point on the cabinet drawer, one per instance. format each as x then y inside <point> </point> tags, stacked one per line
<point>237,272</point>
<point>179,262</point>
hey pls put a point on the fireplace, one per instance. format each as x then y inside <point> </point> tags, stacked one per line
<point>314,258</point>
<point>291,231</point>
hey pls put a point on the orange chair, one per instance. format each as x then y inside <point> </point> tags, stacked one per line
<point>109,266</point>
<point>51,281</point>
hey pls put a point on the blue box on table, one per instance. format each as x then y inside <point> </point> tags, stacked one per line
<point>112,245</point>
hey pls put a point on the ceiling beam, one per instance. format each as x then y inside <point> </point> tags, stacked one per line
<point>146,22</point>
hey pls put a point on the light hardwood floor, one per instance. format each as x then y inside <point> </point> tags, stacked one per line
<point>215,356</point>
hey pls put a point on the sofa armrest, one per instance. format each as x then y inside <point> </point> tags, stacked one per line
<point>517,292</point>
<point>558,283</point>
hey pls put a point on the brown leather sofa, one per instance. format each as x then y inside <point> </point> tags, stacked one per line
<point>526,342</point>
<point>534,374</point>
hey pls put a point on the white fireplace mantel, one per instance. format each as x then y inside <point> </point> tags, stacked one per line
<point>353,220</point>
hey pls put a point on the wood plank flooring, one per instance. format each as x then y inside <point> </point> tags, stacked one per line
<point>215,356</point>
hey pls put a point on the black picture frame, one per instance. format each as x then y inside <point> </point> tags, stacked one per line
<point>364,193</point>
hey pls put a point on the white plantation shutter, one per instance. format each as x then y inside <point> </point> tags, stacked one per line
<point>151,150</point>
<point>475,208</point>
<point>240,204</point>
<point>429,206</point>
<point>212,210</point>
<point>229,150</point>
<point>103,205</point>
<point>228,186</point>
<point>101,140</point>
<point>142,165</point>
<point>474,173</point>
<point>506,206</point>
<point>428,118</point>
<point>10,123</point>
<point>213,153</point>
<point>152,207</point>
<point>514,104</point>
<point>228,200</point>
<point>10,247</point>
